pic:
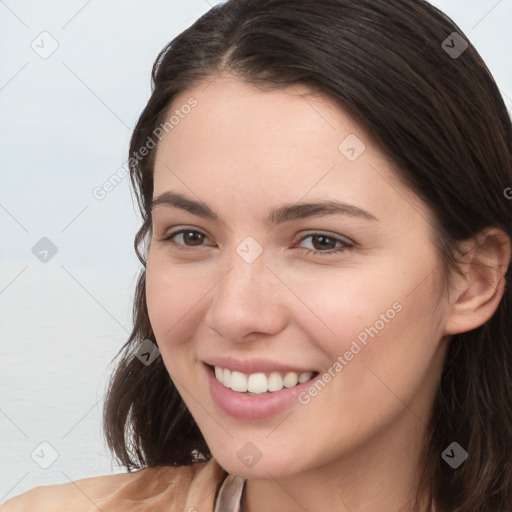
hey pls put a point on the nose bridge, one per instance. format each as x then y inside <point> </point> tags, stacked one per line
<point>244,284</point>
<point>247,298</point>
<point>247,271</point>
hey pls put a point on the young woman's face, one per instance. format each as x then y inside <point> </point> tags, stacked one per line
<point>237,288</point>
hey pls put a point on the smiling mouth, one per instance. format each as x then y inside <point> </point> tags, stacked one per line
<point>260,382</point>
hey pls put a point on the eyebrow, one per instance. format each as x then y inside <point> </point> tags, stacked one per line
<point>276,216</point>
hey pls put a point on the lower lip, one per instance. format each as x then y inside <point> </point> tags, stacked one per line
<point>252,407</point>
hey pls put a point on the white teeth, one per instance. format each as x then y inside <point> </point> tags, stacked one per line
<point>275,382</point>
<point>290,380</point>
<point>238,382</point>
<point>303,377</point>
<point>257,383</point>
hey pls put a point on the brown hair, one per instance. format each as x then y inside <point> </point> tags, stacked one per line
<point>440,118</point>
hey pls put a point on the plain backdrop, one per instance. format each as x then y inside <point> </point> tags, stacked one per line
<point>74,77</point>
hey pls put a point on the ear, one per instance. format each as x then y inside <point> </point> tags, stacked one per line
<point>476,294</point>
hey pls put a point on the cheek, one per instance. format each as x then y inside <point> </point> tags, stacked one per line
<point>173,301</point>
<point>367,332</point>
<point>386,361</point>
<point>392,295</point>
<point>342,305</point>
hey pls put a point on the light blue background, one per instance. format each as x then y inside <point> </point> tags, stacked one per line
<point>65,126</point>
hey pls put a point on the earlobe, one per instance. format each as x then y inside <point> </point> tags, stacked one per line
<point>478,292</point>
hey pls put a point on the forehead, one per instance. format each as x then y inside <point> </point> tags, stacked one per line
<point>240,116</point>
<point>279,144</point>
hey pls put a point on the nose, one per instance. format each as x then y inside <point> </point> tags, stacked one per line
<point>247,300</point>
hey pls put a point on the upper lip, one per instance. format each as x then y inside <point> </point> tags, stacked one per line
<point>255,365</point>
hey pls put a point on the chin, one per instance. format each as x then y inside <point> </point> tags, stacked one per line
<point>240,463</point>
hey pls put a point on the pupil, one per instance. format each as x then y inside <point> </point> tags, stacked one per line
<point>323,237</point>
<point>191,235</point>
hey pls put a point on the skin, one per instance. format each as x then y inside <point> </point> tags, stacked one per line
<point>356,444</point>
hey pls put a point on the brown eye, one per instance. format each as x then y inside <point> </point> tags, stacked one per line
<point>328,242</point>
<point>190,237</point>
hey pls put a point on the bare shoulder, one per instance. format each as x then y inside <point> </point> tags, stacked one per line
<point>162,488</point>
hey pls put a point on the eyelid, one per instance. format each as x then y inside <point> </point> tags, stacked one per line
<point>178,229</point>
<point>175,230</point>
<point>346,243</point>
<point>327,234</point>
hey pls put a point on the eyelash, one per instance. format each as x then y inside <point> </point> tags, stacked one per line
<point>345,245</point>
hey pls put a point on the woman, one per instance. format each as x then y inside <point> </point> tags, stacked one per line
<point>325,192</point>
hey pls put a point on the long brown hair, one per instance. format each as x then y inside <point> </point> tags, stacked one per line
<point>431,105</point>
